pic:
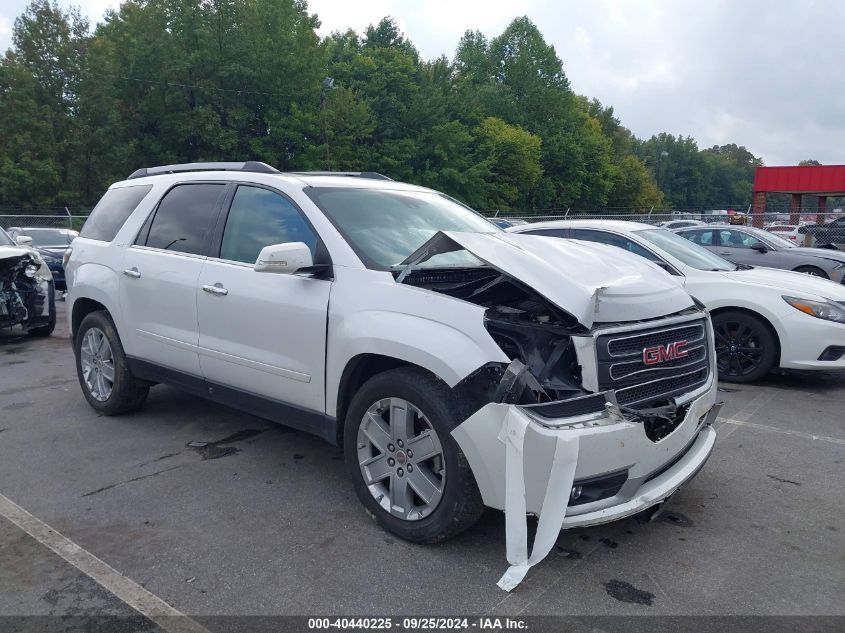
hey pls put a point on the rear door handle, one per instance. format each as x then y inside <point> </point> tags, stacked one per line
<point>132,272</point>
<point>216,289</point>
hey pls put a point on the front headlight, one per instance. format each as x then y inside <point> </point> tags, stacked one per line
<point>827,310</point>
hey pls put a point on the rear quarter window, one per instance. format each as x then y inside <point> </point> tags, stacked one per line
<point>112,211</point>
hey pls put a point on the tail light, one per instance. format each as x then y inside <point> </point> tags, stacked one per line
<point>66,256</point>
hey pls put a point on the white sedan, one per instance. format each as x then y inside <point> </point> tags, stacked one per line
<point>762,318</point>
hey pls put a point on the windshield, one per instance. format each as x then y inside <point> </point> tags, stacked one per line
<point>5,240</point>
<point>685,251</point>
<point>49,237</point>
<point>770,239</point>
<point>384,226</point>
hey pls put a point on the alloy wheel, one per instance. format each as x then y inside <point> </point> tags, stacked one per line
<point>97,361</point>
<point>739,347</point>
<point>401,459</point>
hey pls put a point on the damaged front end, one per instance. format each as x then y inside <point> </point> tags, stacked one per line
<point>25,291</point>
<point>593,419</point>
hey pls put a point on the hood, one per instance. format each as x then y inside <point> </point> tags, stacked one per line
<point>14,251</point>
<point>592,282</point>
<point>789,282</point>
<point>828,253</point>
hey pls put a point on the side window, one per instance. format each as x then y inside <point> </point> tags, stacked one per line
<point>259,218</point>
<point>547,232</point>
<point>615,240</point>
<point>183,219</point>
<point>112,211</point>
<point>704,238</point>
<point>738,239</point>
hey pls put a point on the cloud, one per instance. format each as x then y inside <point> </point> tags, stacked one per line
<point>763,74</point>
<point>5,32</point>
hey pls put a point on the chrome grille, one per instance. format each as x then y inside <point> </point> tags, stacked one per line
<point>632,344</point>
<point>621,363</point>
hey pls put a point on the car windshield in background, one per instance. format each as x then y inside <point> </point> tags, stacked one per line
<point>5,240</point>
<point>384,226</point>
<point>682,249</point>
<point>49,237</point>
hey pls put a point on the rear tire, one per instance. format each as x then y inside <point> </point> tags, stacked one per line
<point>746,349</point>
<point>375,442</point>
<point>104,375</point>
<point>812,270</point>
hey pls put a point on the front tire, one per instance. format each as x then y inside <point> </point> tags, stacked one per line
<point>47,329</point>
<point>746,349</point>
<point>812,270</point>
<point>407,469</point>
<point>102,368</point>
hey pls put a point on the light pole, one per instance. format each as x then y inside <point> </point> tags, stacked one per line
<point>662,153</point>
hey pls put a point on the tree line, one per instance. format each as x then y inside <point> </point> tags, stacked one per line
<point>169,81</point>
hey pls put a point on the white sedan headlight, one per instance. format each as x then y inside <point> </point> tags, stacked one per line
<point>827,310</point>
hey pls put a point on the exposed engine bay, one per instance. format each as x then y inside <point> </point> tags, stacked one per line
<point>538,337</point>
<point>24,292</point>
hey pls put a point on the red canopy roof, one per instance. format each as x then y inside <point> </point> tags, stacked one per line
<point>812,179</point>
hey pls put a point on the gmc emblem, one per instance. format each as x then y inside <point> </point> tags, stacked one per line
<point>663,353</point>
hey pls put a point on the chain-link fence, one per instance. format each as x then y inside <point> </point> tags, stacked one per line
<point>805,226</point>
<point>62,218</point>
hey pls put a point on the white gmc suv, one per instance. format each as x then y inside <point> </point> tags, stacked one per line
<point>457,365</point>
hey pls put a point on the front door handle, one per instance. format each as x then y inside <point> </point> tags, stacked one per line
<point>132,272</point>
<point>216,289</point>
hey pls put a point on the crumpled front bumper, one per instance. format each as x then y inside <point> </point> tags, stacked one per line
<point>525,465</point>
<point>654,470</point>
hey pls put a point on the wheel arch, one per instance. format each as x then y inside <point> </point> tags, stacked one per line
<point>798,269</point>
<point>82,307</point>
<point>358,370</point>
<point>767,322</point>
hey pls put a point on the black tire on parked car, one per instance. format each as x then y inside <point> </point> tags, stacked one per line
<point>46,330</point>
<point>424,497</point>
<point>812,270</point>
<point>746,349</point>
<point>102,369</point>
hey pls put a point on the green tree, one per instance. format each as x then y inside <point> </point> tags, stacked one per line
<point>512,157</point>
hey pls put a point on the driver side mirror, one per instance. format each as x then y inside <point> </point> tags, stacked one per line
<point>23,240</point>
<point>760,247</point>
<point>284,258</point>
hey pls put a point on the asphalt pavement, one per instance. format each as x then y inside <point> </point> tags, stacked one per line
<point>263,521</point>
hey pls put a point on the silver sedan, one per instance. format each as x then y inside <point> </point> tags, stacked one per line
<point>756,247</point>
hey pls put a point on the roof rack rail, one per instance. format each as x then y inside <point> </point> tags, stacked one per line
<point>250,165</point>
<point>352,174</point>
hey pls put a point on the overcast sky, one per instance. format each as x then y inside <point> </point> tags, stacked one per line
<point>761,73</point>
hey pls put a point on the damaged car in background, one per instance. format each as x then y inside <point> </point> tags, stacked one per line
<point>27,296</point>
<point>457,365</point>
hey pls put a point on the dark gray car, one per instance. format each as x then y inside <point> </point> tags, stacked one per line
<point>756,247</point>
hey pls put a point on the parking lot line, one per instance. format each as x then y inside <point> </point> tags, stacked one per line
<point>147,604</point>
<point>745,413</point>
<point>774,429</point>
